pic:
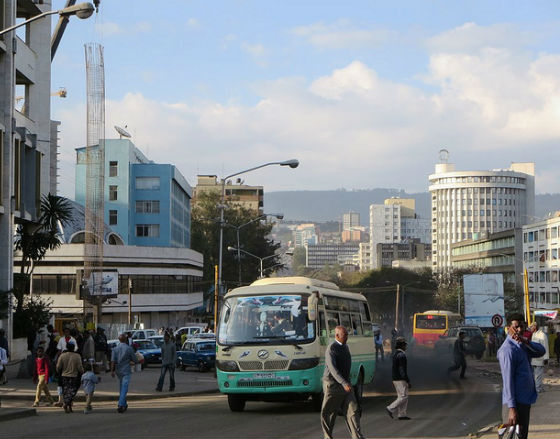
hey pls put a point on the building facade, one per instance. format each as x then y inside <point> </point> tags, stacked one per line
<point>402,251</point>
<point>304,234</point>
<point>541,259</point>
<point>248,197</point>
<point>350,220</point>
<point>146,203</point>
<point>472,204</point>
<point>319,255</point>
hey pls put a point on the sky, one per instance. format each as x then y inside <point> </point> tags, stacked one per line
<point>363,93</point>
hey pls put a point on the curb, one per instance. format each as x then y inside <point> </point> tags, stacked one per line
<point>115,396</point>
<point>9,414</point>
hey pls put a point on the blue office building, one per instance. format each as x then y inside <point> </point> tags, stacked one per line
<point>146,203</point>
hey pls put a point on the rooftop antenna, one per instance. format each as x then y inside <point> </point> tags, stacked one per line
<point>443,155</point>
<point>122,132</point>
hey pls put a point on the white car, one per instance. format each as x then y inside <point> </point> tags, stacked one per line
<point>143,334</point>
<point>189,330</point>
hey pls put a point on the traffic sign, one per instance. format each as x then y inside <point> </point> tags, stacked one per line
<point>497,320</point>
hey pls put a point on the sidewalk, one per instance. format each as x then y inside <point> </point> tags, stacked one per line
<point>142,386</point>
<point>545,423</point>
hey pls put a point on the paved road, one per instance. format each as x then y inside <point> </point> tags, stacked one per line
<point>440,406</point>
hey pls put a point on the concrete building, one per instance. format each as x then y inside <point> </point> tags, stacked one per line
<point>304,234</point>
<point>393,222</point>
<point>354,234</point>
<point>319,255</point>
<point>27,134</point>
<point>387,253</point>
<point>498,252</point>
<point>473,204</point>
<point>364,256</point>
<point>350,220</point>
<point>165,280</point>
<point>146,203</point>
<point>541,259</point>
<point>249,197</point>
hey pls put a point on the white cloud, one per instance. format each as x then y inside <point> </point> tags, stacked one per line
<point>257,52</point>
<point>341,35</point>
<point>353,128</point>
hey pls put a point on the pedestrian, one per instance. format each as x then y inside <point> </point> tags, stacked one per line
<point>539,363</point>
<point>338,393</point>
<point>378,340</point>
<point>3,363</point>
<point>518,391</point>
<point>492,342</point>
<point>400,381</point>
<point>168,361</point>
<point>121,357</point>
<point>459,356</point>
<point>64,340</point>
<point>4,345</point>
<point>101,348</point>
<point>41,377</point>
<point>69,366</point>
<point>88,349</point>
<point>557,348</point>
<point>89,380</point>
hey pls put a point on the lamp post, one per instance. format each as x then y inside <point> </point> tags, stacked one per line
<point>81,10</point>
<point>233,249</point>
<point>291,163</point>
<point>238,228</point>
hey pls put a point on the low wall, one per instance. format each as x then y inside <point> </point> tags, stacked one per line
<point>18,350</point>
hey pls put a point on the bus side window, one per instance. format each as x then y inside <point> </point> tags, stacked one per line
<point>356,324</point>
<point>332,319</point>
<point>345,321</point>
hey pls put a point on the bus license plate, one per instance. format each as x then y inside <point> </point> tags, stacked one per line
<point>261,376</point>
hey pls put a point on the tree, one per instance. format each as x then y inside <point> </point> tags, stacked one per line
<point>253,238</point>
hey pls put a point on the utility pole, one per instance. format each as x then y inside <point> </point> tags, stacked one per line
<point>216,291</point>
<point>397,307</point>
<point>129,301</point>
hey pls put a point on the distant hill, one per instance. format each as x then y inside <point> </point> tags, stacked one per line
<point>320,206</point>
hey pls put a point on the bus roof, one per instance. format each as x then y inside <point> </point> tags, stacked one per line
<point>296,280</point>
<point>439,312</point>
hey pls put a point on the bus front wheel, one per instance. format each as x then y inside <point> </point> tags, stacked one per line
<point>236,403</point>
<point>359,387</point>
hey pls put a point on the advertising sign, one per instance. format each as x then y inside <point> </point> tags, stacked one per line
<point>105,283</point>
<point>484,299</point>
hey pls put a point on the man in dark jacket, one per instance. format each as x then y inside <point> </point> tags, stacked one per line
<point>101,348</point>
<point>400,381</point>
<point>338,392</point>
<point>459,355</point>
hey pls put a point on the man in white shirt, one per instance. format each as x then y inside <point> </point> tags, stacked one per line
<point>539,363</point>
<point>64,340</point>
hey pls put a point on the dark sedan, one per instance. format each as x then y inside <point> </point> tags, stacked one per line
<point>197,353</point>
<point>151,353</point>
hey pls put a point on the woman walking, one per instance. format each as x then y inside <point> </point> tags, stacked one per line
<point>69,366</point>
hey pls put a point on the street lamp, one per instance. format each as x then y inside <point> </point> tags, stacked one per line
<point>238,228</point>
<point>81,10</point>
<point>233,249</point>
<point>291,163</point>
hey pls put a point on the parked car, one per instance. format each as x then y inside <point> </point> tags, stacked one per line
<point>143,334</point>
<point>157,340</point>
<point>189,330</point>
<point>151,353</point>
<point>474,340</point>
<point>199,353</point>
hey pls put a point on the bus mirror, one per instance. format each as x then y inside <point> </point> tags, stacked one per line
<point>312,307</point>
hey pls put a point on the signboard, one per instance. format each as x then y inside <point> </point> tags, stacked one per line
<point>484,299</point>
<point>105,283</point>
<point>497,320</point>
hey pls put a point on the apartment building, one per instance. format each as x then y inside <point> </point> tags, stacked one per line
<point>238,193</point>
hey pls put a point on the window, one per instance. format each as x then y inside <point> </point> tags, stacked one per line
<point>113,217</point>
<point>147,183</point>
<point>147,206</point>
<point>113,190</point>
<point>147,230</point>
<point>113,169</point>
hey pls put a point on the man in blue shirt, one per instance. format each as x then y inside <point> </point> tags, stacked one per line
<point>121,357</point>
<point>518,383</point>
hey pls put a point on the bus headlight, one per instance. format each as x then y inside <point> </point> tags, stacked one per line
<point>227,366</point>
<point>304,363</point>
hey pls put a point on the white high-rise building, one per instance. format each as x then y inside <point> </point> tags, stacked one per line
<point>471,204</point>
<point>350,220</point>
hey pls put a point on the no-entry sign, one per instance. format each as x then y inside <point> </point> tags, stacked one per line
<point>497,320</point>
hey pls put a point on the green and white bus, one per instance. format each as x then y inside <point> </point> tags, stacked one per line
<point>272,337</point>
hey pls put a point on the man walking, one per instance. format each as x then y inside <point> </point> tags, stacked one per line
<point>538,363</point>
<point>101,347</point>
<point>518,383</point>
<point>338,392</point>
<point>378,340</point>
<point>400,381</point>
<point>459,355</point>
<point>168,360</point>
<point>121,357</point>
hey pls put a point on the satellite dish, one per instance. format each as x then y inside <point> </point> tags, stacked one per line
<point>122,132</point>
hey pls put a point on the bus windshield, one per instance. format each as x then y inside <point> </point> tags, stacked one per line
<point>430,322</point>
<point>262,319</point>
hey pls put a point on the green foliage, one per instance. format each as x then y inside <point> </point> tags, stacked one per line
<point>33,315</point>
<point>298,258</point>
<point>205,238</point>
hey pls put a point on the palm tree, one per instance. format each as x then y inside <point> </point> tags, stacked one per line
<point>34,241</point>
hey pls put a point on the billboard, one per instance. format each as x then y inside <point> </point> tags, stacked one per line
<point>105,283</point>
<point>484,298</point>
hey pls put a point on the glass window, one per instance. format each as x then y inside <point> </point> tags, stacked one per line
<point>554,232</point>
<point>147,230</point>
<point>113,191</point>
<point>113,169</point>
<point>147,206</point>
<point>147,183</point>
<point>113,217</point>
